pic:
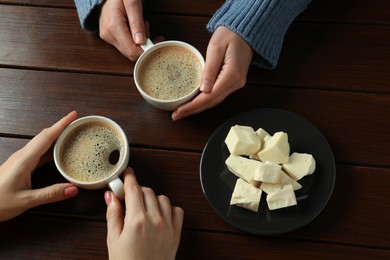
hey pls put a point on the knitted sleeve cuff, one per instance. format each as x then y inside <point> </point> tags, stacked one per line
<point>88,11</point>
<point>261,23</point>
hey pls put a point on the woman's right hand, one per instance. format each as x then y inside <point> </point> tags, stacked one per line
<point>121,24</point>
<point>150,228</point>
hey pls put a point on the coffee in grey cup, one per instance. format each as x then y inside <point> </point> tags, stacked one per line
<point>169,73</point>
<point>90,152</point>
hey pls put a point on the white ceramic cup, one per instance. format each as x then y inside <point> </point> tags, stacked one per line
<point>113,181</point>
<point>169,105</point>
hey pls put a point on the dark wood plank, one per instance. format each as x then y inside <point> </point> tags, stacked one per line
<point>333,71</point>
<point>351,216</point>
<point>33,100</point>
<point>53,3</point>
<point>85,240</point>
<point>52,238</point>
<point>9,146</point>
<point>319,55</point>
<point>347,57</point>
<point>198,245</point>
<point>347,11</point>
<point>53,39</point>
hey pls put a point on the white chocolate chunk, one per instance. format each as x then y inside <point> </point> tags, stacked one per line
<point>242,140</point>
<point>281,198</point>
<point>300,165</point>
<point>268,172</point>
<point>269,168</point>
<point>243,168</point>
<point>246,196</point>
<point>284,179</point>
<point>276,149</point>
<point>263,136</point>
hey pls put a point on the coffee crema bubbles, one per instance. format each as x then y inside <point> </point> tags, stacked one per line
<point>169,73</point>
<point>86,154</point>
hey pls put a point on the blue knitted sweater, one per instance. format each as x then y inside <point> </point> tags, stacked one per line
<point>261,23</point>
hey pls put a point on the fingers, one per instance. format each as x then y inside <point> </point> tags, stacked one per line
<point>139,200</point>
<point>211,75</point>
<point>44,140</point>
<point>121,25</point>
<point>133,194</point>
<point>122,40</point>
<point>114,215</point>
<point>142,200</point>
<point>151,202</point>
<point>197,105</point>
<point>229,80</point>
<point>136,21</point>
<point>214,60</point>
<point>170,213</point>
<point>164,207</point>
<point>50,194</point>
<point>41,143</point>
<point>227,62</point>
<point>177,218</point>
<point>202,102</point>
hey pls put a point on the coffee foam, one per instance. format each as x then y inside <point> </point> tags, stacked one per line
<point>85,153</point>
<point>170,72</point>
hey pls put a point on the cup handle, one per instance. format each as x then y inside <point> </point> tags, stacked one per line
<point>148,44</point>
<point>116,186</point>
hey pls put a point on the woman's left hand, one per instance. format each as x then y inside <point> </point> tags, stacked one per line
<point>17,194</point>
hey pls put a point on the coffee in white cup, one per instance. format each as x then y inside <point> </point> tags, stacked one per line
<point>92,152</point>
<point>168,73</point>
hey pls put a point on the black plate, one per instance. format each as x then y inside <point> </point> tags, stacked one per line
<point>218,182</point>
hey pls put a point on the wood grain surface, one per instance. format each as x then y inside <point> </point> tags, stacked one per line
<point>334,70</point>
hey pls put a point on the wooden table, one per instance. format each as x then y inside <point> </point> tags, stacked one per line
<point>334,70</point>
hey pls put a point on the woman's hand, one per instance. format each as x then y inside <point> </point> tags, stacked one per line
<point>227,62</point>
<point>121,24</point>
<point>150,228</point>
<point>17,195</point>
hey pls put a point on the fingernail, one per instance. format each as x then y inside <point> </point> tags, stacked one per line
<point>130,170</point>
<point>205,86</point>
<point>139,38</point>
<point>175,116</point>
<point>70,191</point>
<point>108,197</point>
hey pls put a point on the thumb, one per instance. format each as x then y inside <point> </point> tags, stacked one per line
<point>114,216</point>
<point>212,67</point>
<point>53,193</point>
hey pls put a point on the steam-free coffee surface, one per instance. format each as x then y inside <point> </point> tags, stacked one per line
<point>169,73</point>
<point>85,153</point>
